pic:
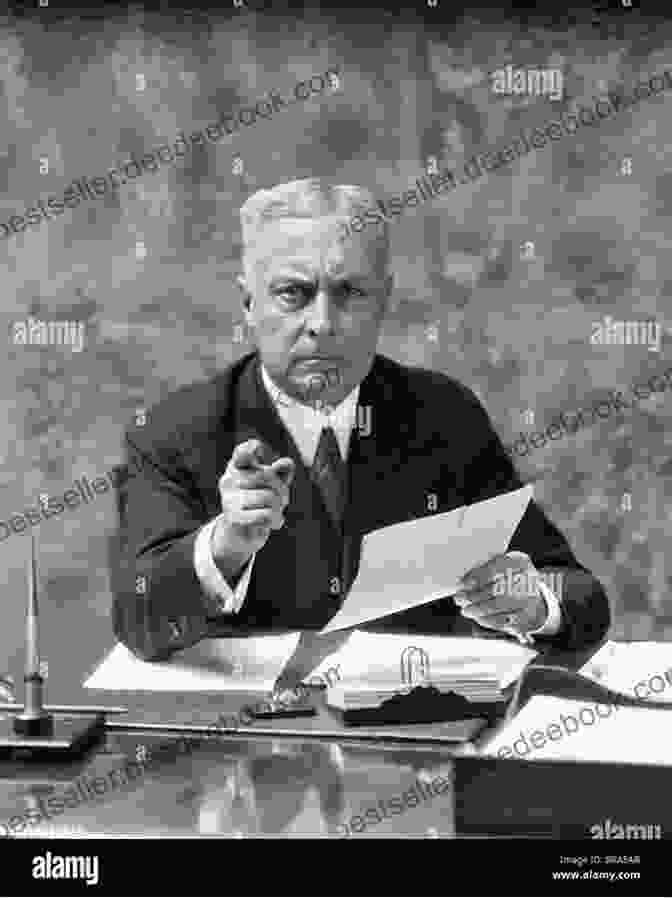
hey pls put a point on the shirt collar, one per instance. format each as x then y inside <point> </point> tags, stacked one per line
<point>343,413</point>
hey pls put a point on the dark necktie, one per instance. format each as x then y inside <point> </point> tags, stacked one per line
<point>329,472</point>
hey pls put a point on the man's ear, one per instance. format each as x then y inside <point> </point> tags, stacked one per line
<point>247,296</point>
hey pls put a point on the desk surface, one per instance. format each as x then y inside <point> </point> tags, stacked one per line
<point>237,783</point>
<point>234,786</point>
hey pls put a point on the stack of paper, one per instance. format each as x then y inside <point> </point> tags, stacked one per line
<point>376,666</point>
<point>364,695</point>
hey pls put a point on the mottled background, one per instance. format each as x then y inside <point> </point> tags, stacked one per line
<point>467,301</point>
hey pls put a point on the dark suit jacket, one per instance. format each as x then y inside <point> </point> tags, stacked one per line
<point>429,434</point>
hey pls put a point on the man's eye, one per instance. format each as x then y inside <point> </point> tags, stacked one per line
<point>293,292</point>
<point>353,291</point>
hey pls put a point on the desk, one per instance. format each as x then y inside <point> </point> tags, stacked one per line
<point>274,784</point>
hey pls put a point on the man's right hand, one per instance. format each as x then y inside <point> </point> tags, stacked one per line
<point>254,494</point>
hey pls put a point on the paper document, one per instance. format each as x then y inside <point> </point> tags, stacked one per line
<point>639,669</point>
<point>370,667</point>
<point>379,657</point>
<point>416,562</point>
<point>558,728</point>
<point>213,665</point>
<point>255,663</point>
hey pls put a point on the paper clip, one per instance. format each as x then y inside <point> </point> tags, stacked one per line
<point>414,666</point>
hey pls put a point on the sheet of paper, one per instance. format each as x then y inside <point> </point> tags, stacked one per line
<point>255,663</point>
<point>213,665</point>
<point>557,728</point>
<point>415,562</point>
<point>640,669</point>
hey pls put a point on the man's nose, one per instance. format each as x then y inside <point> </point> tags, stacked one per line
<point>320,314</point>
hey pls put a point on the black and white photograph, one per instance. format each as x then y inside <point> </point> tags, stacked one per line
<point>337,445</point>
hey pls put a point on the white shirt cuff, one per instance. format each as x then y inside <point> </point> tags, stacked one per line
<point>554,619</point>
<point>225,599</point>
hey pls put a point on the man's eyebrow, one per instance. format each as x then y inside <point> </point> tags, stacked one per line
<point>351,276</point>
<point>292,274</point>
<point>345,277</point>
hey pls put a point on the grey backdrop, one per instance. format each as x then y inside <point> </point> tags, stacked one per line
<point>467,301</point>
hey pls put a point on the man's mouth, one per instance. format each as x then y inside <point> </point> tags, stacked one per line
<point>321,364</point>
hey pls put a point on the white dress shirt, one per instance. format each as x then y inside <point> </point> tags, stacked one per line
<point>305,424</point>
<point>554,619</point>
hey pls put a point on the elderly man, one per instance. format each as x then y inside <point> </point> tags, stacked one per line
<point>249,494</point>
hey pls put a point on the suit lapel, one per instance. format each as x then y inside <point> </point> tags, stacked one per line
<point>376,450</point>
<point>376,456</point>
<point>258,418</point>
<point>373,458</point>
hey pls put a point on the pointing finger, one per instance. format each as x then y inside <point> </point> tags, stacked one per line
<point>284,468</point>
<point>251,454</point>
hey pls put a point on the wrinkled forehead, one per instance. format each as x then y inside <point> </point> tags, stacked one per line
<point>317,246</point>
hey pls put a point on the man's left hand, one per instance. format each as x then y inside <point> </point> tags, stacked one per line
<point>503,594</point>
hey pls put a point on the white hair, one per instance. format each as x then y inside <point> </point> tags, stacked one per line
<point>307,198</point>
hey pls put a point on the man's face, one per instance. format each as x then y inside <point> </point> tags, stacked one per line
<point>317,301</point>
